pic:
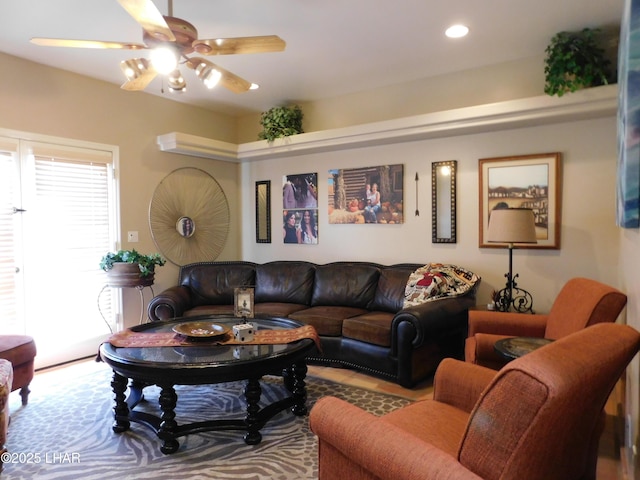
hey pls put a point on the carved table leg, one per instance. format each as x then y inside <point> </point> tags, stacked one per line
<point>299,390</point>
<point>120,410</point>
<point>168,425</point>
<point>252,394</point>
<point>287,378</point>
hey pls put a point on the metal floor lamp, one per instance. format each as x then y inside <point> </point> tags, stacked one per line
<point>511,226</point>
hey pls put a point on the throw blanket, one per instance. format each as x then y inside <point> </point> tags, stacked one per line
<point>129,338</point>
<point>436,280</point>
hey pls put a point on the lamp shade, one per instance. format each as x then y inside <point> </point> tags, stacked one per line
<point>512,225</point>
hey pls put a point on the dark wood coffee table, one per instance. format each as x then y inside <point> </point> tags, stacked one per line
<point>198,365</point>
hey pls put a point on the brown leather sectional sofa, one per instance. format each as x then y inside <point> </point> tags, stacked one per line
<point>356,308</point>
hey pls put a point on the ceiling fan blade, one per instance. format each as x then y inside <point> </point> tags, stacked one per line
<point>228,80</point>
<point>65,42</point>
<point>139,73</point>
<point>237,45</point>
<point>233,82</point>
<point>149,17</point>
<point>139,83</point>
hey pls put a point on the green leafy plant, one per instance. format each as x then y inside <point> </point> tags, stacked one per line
<point>576,60</point>
<point>280,122</point>
<point>146,263</point>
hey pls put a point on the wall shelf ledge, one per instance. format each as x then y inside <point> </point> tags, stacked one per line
<point>543,110</point>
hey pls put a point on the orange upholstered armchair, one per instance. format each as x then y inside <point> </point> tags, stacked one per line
<point>539,418</point>
<point>581,302</point>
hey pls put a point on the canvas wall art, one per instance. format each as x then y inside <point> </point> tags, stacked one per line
<point>628,174</point>
<point>370,195</point>
<point>300,209</point>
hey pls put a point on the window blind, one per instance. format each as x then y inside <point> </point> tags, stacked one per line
<point>9,178</point>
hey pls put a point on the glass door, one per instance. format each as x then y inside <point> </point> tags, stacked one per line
<point>59,225</point>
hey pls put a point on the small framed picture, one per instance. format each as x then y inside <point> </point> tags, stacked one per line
<point>243,302</point>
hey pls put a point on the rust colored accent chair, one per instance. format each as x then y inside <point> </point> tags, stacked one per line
<point>538,418</point>
<point>20,350</point>
<point>581,302</point>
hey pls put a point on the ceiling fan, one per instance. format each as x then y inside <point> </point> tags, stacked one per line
<point>170,40</point>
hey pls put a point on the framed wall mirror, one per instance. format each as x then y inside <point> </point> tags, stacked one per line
<point>443,202</point>
<point>263,211</point>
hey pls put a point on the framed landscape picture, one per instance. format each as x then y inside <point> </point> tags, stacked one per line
<point>527,181</point>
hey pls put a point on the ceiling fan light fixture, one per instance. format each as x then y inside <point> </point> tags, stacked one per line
<point>208,74</point>
<point>134,67</point>
<point>176,82</point>
<point>164,59</point>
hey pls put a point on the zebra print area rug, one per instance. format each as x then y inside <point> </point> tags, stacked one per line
<point>65,432</point>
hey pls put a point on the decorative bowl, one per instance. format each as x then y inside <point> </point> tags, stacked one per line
<point>201,329</point>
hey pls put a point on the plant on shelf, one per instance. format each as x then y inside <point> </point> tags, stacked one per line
<point>146,263</point>
<point>280,122</point>
<point>576,60</point>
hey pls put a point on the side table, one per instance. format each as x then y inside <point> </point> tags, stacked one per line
<point>515,347</point>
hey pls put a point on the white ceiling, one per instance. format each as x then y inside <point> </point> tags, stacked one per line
<point>334,47</point>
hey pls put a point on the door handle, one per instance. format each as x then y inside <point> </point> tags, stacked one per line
<point>18,210</point>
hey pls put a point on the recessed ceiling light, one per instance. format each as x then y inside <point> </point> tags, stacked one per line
<point>456,31</point>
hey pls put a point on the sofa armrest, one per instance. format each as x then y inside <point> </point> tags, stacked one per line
<point>357,445</point>
<point>510,324</point>
<point>171,303</point>
<point>460,384</point>
<point>430,319</point>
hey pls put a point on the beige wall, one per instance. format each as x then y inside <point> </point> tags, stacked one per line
<point>48,101</point>
<point>507,81</point>
<point>589,236</point>
<point>629,267</point>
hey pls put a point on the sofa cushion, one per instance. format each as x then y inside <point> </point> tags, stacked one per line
<point>389,295</point>
<point>284,282</point>
<point>210,310</point>
<point>327,320</point>
<point>275,309</point>
<point>371,327</point>
<point>213,283</point>
<point>345,283</point>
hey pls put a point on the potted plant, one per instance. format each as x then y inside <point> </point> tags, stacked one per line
<point>280,122</point>
<point>576,60</point>
<point>129,268</point>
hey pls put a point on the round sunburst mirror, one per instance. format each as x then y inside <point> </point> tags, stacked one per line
<point>189,217</point>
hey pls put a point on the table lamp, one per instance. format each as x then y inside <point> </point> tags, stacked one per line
<point>511,226</point>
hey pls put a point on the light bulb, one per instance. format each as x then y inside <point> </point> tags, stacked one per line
<point>176,82</point>
<point>164,60</point>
